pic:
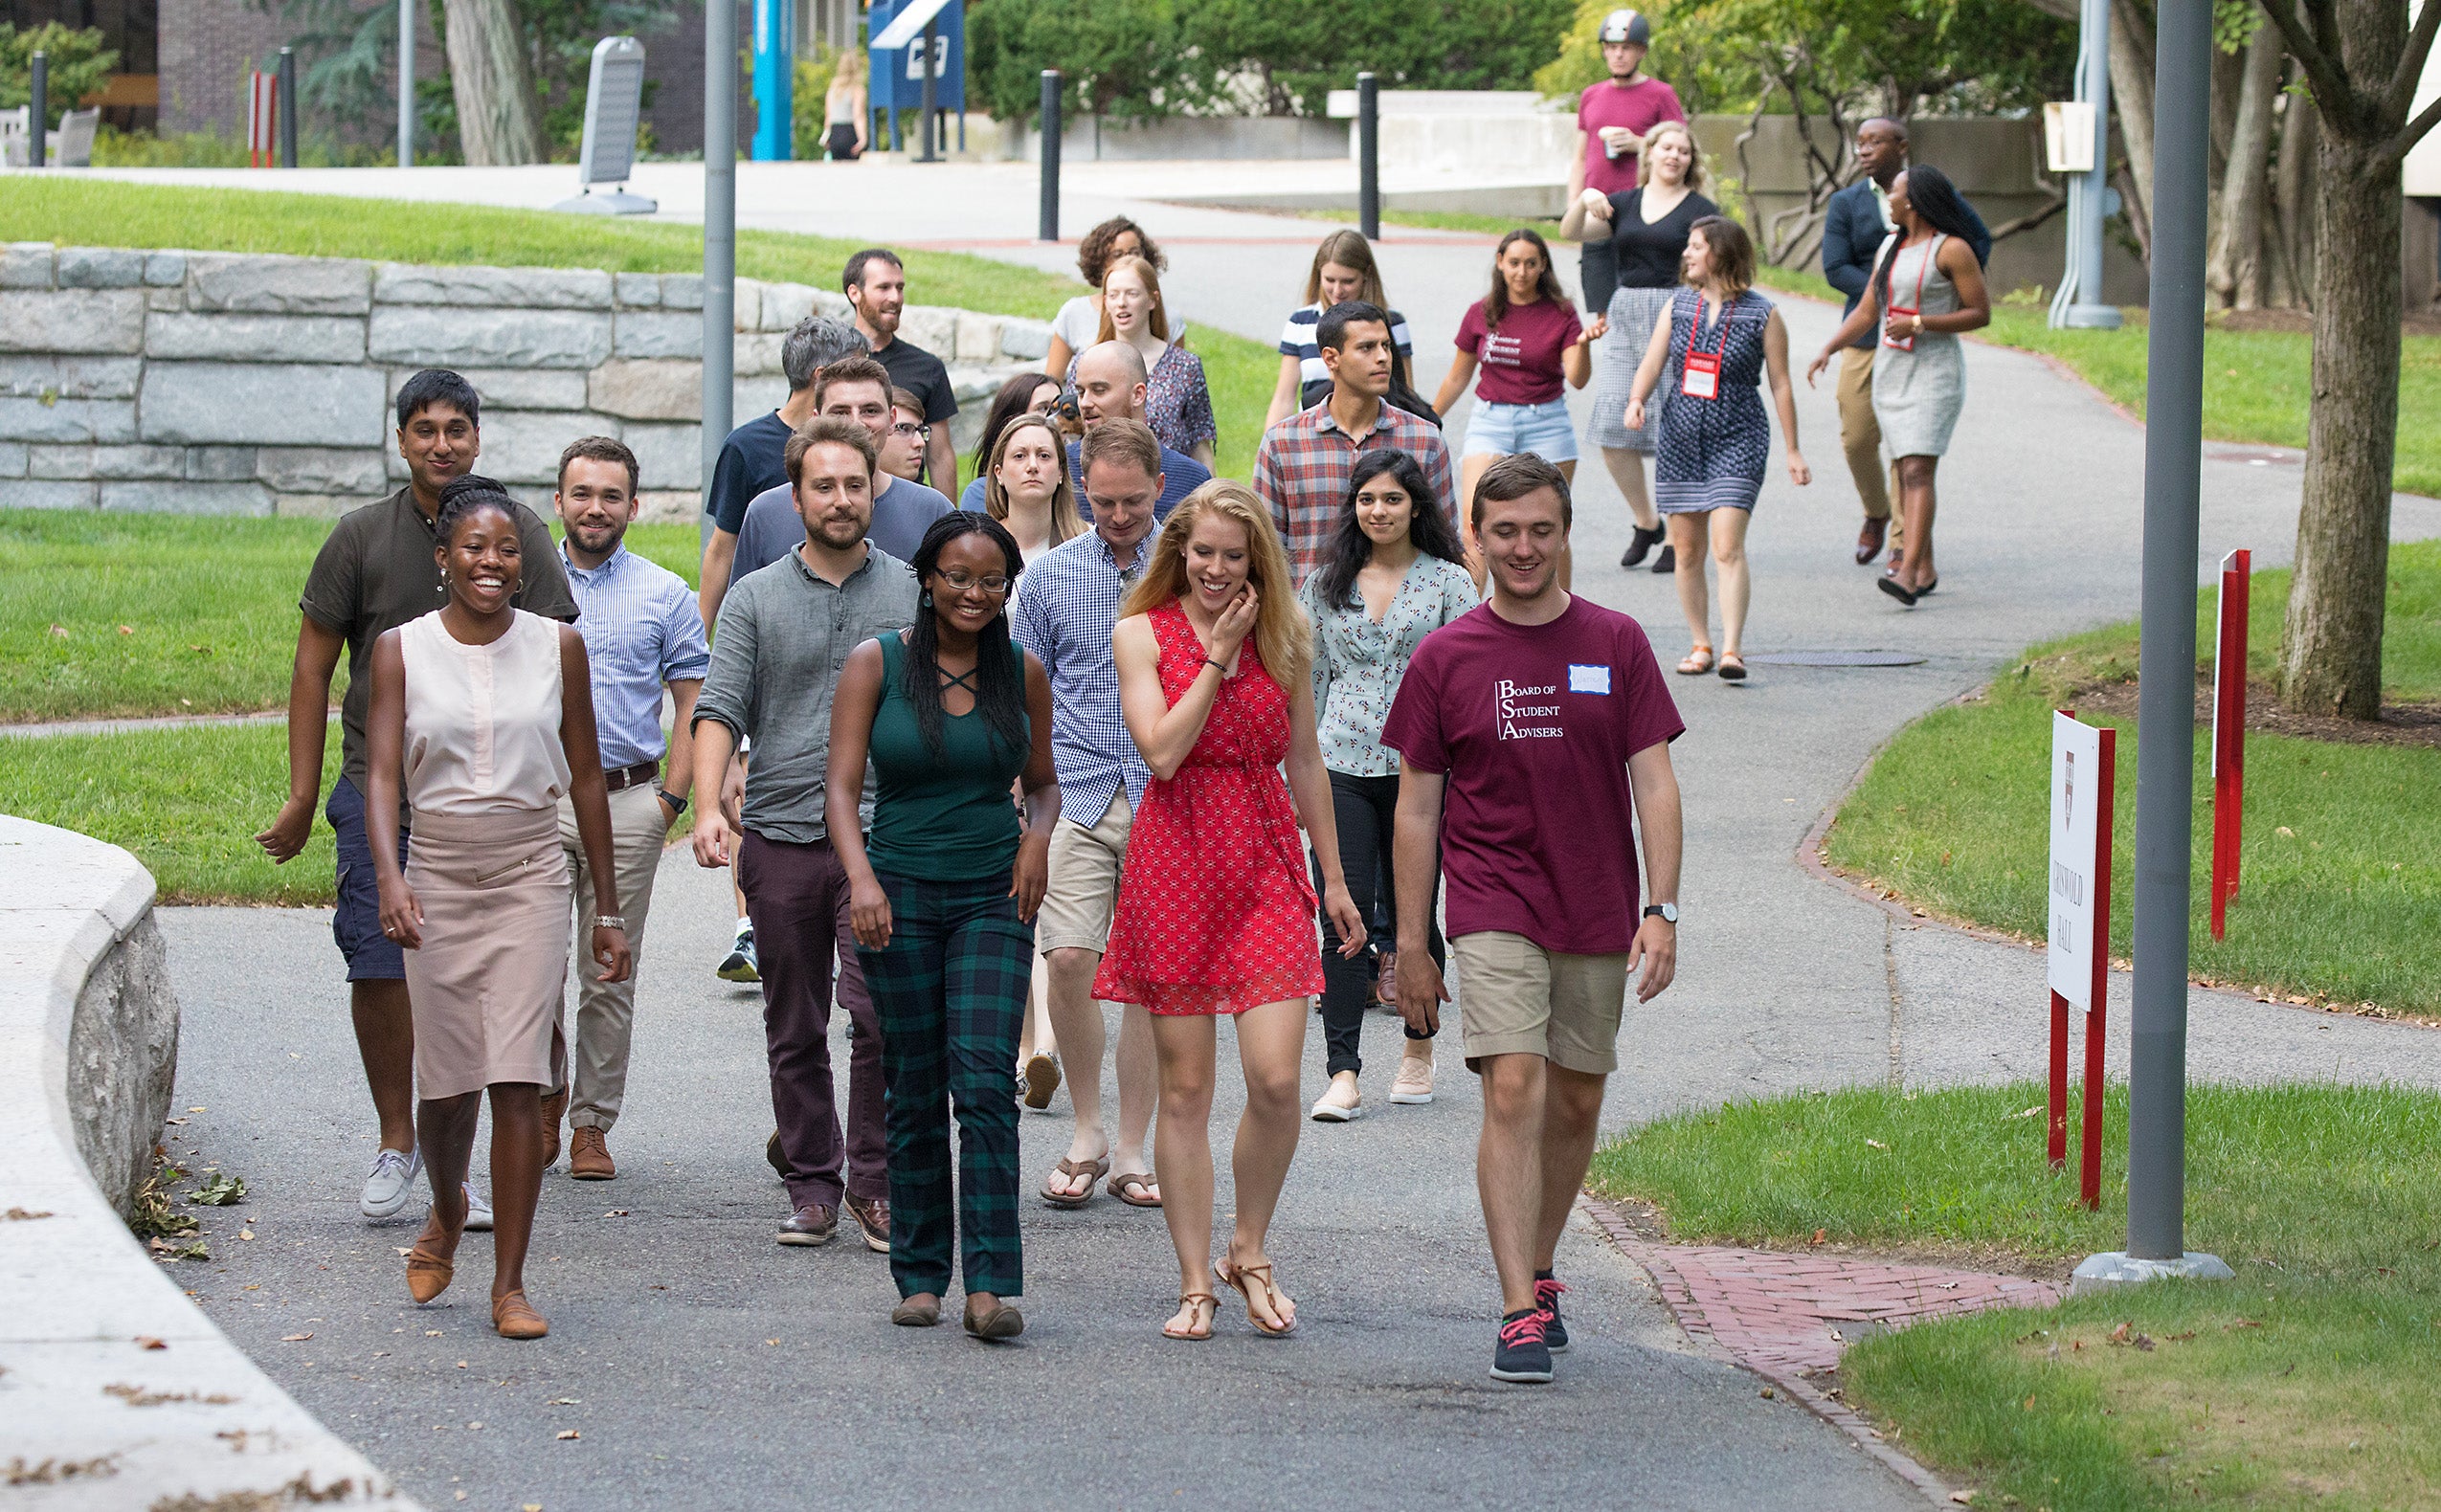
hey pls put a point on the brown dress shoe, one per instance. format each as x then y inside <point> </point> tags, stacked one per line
<point>812,1224</point>
<point>1868,543</point>
<point>513,1317</point>
<point>588,1156</point>
<point>429,1272</point>
<point>872,1215</point>
<point>554,1109</point>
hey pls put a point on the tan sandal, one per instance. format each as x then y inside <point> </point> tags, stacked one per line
<point>1696,662</point>
<point>1235,1277</point>
<point>513,1317</point>
<point>1194,1333</point>
<point>1093,1170</point>
<point>429,1274</point>
<point>1136,1188</point>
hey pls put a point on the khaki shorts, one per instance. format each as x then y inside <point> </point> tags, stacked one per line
<point>1517,998</point>
<point>1085,880</point>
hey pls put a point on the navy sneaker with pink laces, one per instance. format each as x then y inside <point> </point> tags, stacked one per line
<point>1555,1333</point>
<point>1522,1354</point>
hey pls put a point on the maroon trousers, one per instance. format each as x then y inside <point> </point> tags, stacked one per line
<point>797,895</point>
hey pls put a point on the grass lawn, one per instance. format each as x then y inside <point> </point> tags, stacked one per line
<point>2257,384</point>
<point>104,213</point>
<point>2307,1381</point>
<point>104,616</point>
<point>187,802</point>
<point>2341,860</point>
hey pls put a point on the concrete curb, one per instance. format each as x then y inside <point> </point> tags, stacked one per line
<point>1654,1259</point>
<point>114,1392</point>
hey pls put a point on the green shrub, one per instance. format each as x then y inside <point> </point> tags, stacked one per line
<point>79,63</point>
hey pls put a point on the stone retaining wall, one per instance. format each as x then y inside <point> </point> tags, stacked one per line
<point>215,382</point>
<point>114,1390</point>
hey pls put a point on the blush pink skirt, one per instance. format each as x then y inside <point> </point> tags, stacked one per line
<point>485,987</point>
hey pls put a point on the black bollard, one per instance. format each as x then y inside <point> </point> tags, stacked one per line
<point>931,126</point>
<point>1050,128</point>
<point>1368,156</point>
<point>287,107</point>
<point>37,146</point>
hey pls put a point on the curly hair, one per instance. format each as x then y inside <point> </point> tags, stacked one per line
<point>1093,252</point>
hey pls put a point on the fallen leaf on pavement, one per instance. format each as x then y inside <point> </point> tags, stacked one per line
<point>145,1341</point>
<point>615,1212</point>
<point>569,1432</point>
<point>295,1338</point>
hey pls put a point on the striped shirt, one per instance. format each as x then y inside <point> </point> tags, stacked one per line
<point>1303,466</point>
<point>1066,605</point>
<point>641,631</point>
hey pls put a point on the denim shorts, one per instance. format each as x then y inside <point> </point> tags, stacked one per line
<point>372,955</point>
<point>1507,430</point>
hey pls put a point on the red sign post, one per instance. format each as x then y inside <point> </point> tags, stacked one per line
<point>2084,773</point>
<point>2228,732</point>
<point>262,118</point>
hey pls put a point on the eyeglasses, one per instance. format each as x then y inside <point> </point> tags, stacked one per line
<point>910,428</point>
<point>960,581</point>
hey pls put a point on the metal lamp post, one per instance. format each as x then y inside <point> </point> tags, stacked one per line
<point>2079,302</point>
<point>719,233</point>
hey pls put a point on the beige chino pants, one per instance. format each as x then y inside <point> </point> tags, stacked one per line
<point>606,1011</point>
<point>1860,436</point>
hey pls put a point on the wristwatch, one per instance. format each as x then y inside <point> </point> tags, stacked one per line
<point>677,804</point>
<point>1667,913</point>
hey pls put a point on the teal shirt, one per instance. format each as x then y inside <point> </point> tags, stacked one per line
<point>945,818</point>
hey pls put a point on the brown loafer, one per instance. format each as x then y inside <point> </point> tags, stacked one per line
<point>872,1216</point>
<point>812,1224</point>
<point>1000,1322</point>
<point>1869,543</point>
<point>554,1108</point>
<point>513,1317</point>
<point>588,1156</point>
<point>920,1311</point>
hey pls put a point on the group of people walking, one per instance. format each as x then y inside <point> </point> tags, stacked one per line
<point>1108,730</point>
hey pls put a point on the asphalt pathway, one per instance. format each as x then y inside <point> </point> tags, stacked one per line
<point>697,1362</point>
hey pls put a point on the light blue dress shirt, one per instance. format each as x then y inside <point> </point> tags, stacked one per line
<point>1065,607</point>
<point>642,630</point>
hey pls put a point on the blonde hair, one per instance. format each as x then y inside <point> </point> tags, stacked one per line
<point>1694,179</point>
<point>1282,636</point>
<point>1065,523</point>
<point>849,70</point>
<point>1158,322</point>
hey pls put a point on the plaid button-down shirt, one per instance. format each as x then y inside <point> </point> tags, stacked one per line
<point>1303,469</point>
<point>1065,607</point>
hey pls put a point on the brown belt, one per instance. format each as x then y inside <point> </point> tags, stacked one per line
<point>629,776</point>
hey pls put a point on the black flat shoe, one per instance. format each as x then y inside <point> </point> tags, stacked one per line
<point>1928,587</point>
<point>1890,586</point>
<point>1639,545</point>
<point>1666,563</point>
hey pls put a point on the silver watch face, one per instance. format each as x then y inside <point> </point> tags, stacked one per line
<point>1669,912</point>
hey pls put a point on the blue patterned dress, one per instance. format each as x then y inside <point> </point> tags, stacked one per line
<point>1713,451</point>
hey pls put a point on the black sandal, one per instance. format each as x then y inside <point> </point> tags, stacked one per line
<point>1891,585</point>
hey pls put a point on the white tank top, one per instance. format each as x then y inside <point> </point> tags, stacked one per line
<point>482,722</point>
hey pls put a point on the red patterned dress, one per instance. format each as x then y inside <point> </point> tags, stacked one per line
<point>1215,914</point>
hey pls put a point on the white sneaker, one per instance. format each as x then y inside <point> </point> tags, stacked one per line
<point>390,1183</point>
<point>1342,1103</point>
<point>1414,1082</point>
<point>479,1209</point>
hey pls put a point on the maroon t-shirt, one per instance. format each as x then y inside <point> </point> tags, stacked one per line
<point>1521,361</point>
<point>1532,724</point>
<point>1640,107</point>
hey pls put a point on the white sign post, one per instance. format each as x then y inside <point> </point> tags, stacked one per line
<point>2084,773</point>
<point>614,104</point>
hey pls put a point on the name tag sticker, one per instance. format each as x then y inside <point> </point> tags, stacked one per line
<point>1588,680</point>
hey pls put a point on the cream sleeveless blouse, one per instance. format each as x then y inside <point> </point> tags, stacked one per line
<point>482,722</point>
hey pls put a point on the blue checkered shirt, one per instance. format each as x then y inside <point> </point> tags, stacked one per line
<point>1067,602</point>
<point>642,630</point>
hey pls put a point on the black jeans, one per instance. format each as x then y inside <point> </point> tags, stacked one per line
<point>1364,810</point>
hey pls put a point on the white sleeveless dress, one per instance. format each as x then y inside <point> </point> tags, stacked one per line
<point>483,769</point>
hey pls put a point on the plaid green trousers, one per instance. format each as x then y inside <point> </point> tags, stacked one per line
<point>949,991</point>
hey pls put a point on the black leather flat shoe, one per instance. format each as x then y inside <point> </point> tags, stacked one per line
<point>1666,563</point>
<point>1890,586</point>
<point>1639,545</point>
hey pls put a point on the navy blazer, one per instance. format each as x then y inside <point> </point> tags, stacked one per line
<point>1852,233</point>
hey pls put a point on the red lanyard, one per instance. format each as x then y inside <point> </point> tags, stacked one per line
<point>1700,375</point>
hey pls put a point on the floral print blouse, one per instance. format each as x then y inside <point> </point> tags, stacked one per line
<point>1358,662</point>
<point>1177,404</point>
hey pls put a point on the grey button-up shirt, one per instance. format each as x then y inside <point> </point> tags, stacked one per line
<point>785,635</point>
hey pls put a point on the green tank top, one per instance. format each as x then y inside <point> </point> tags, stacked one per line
<point>946,818</point>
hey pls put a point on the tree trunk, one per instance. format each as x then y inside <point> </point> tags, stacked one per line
<point>500,121</point>
<point>2132,98</point>
<point>2330,649</point>
<point>2235,276</point>
<point>2293,197</point>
